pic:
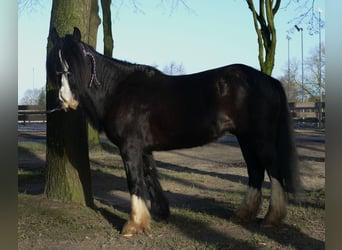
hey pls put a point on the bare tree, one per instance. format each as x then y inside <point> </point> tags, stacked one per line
<point>311,86</point>
<point>291,83</point>
<point>315,68</point>
<point>33,97</point>
<point>174,69</point>
<point>264,11</point>
<point>307,14</point>
<point>266,32</point>
<point>28,5</point>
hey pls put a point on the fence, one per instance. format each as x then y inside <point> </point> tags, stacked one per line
<point>31,113</point>
<point>307,112</point>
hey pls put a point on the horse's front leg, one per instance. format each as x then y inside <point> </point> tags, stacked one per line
<point>159,204</point>
<point>139,220</point>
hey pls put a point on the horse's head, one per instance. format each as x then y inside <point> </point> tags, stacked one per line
<point>66,67</point>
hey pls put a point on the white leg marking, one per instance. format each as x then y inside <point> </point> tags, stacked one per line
<point>250,205</point>
<point>277,209</point>
<point>140,218</point>
<point>139,213</point>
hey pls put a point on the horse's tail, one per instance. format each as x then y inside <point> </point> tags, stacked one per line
<point>286,149</point>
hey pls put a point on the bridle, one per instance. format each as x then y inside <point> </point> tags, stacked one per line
<point>93,62</point>
<point>65,73</point>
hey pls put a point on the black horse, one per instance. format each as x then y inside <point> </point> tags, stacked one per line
<point>142,110</point>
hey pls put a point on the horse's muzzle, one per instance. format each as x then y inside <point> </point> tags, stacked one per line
<point>73,104</point>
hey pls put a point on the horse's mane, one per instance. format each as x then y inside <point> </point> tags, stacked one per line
<point>123,65</point>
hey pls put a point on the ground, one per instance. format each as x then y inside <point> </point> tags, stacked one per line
<point>204,185</point>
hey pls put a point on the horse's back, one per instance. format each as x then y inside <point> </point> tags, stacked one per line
<point>191,110</point>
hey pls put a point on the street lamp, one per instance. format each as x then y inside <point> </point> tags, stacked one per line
<point>301,31</point>
<point>288,68</point>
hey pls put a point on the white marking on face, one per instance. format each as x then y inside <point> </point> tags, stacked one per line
<point>65,95</point>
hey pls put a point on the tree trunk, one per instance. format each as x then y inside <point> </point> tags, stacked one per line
<point>68,176</point>
<point>266,32</point>
<point>93,135</point>
<point>107,28</point>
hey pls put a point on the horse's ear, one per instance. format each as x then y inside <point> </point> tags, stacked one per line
<point>77,34</point>
<point>54,35</point>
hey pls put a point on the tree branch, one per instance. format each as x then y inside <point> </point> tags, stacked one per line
<point>276,7</point>
<point>258,31</point>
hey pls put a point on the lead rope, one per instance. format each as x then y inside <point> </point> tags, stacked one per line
<point>93,74</point>
<point>57,108</point>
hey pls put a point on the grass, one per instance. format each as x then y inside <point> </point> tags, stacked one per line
<point>29,176</point>
<point>31,148</point>
<point>41,219</point>
<point>201,210</point>
<point>27,179</point>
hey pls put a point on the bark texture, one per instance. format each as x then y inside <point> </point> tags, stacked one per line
<point>266,32</point>
<point>68,176</point>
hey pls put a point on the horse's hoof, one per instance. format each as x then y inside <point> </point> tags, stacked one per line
<point>130,229</point>
<point>272,220</point>
<point>274,217</point>
<point>238,220</point>
<point>244,215</point>
<point>271,223</point>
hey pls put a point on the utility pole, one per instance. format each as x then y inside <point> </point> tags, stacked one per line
<point>288,69</point>
<point>32,78</point>
<point>320,71</point>
<point>301,32</point>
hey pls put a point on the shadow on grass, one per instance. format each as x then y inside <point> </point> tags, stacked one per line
<point>31,173</point>
<point>31,181</point>
<point>286,235</point>
<point>191,224</point>
<point>114,220</point>
<point>205,233</point>
<point>182,169</point>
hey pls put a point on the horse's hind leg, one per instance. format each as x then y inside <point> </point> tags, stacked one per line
<point>140,217</point>
<point>250,205</point>
<point>159,204</point>
<point>260,154</point>
<point>278,201</point>
<point>277,208</point>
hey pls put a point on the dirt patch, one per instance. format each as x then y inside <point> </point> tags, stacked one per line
<point>204,185</point>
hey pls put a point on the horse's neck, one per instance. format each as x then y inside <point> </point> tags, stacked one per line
<point>109,66</point>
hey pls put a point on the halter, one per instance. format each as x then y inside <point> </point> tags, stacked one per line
<point>93,73</point>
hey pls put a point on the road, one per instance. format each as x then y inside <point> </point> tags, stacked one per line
<point>37,132</point>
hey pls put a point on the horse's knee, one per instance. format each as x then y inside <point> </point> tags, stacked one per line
<point>139,219</point>
<point>277,208</point>
<point>250,205</point>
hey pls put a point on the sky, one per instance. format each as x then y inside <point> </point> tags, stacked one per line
<point>208,35</point>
